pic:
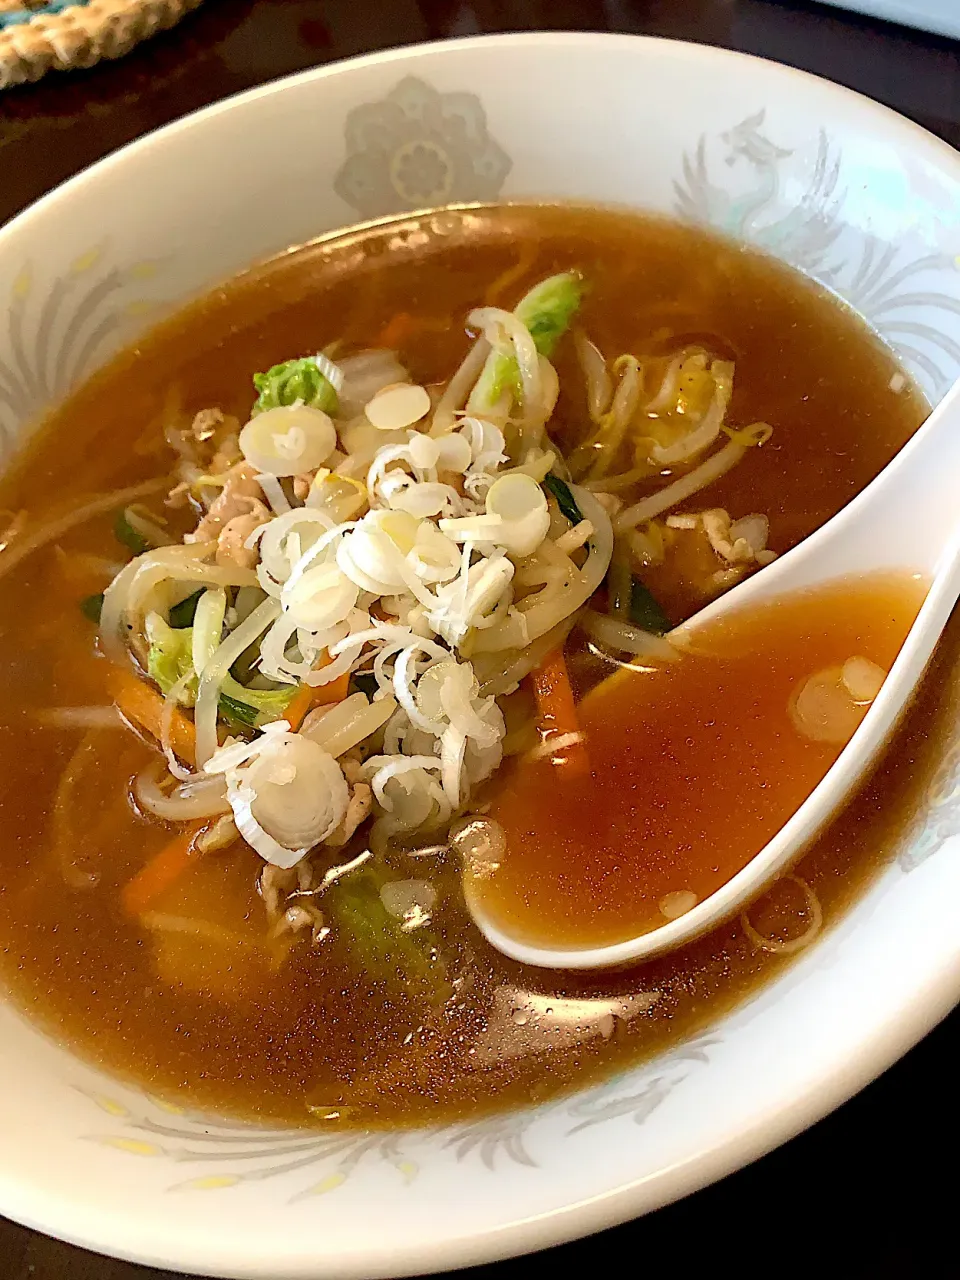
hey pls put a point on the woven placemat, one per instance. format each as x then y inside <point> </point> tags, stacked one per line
<point>37,36</point>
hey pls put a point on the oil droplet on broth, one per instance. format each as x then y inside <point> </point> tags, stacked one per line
<point>660,824</point>
<point>676,904</point>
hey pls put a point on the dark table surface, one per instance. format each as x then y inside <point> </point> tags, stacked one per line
<point>870,1190</point>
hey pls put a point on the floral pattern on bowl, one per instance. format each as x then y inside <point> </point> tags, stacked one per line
<point>418,148</point>
<point>59,329</point>
<point>228,1154</point>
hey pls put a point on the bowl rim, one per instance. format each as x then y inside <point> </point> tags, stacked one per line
<point>851,1066</point>
<point>412,52</point>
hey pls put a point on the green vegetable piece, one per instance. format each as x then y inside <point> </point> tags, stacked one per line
<point>253,706</point>
<point>397,958</point>
<point>236,712</point>
<point>619,588</point>
<point>182,614</point>
<point>92,606</point>
<point>124,532</point>
<point>633,602</point>
<point>364,682</point>
<point>291,381</point>
<point>170,656</point>
<point>546,311</point>
<point>645,611</point>
<point>565,499</point>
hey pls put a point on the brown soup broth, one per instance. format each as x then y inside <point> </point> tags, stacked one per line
<point>245,1038</point>
<point>691,767</point>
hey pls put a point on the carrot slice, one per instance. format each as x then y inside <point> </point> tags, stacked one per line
<point>396,331</point>
<point>164,869</point>
<point>175,858</point>
<point>559,723</point>
<point>140,703</point>
<point>309,696</point>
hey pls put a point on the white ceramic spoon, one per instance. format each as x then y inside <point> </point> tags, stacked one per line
<point>908,518</point>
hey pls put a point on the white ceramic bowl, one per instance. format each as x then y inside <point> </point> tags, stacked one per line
<point>840,187</point>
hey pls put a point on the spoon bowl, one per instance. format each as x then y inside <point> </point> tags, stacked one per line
<point>905,520</point>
